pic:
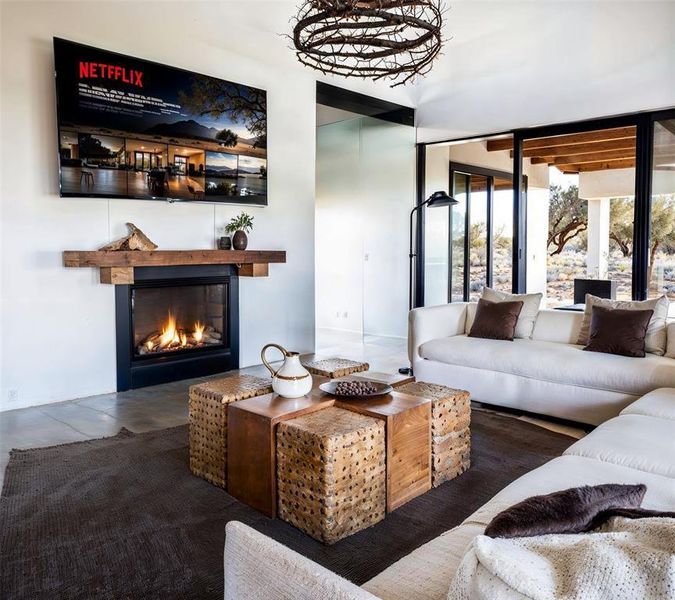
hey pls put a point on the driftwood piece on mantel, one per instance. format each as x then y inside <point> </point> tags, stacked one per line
<point>136,240</point>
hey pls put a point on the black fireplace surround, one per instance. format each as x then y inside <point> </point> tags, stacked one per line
<point>175,323</point>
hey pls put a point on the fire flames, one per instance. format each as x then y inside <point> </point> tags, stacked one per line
<point>174,337</point>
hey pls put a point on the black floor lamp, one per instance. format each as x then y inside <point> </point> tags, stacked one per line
<point>436,199</point>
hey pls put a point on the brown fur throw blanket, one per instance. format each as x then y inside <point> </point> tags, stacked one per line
<point>575,510</point>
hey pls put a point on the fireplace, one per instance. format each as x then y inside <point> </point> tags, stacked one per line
<point>175,323</point>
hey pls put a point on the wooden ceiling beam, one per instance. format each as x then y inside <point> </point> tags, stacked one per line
<point>588,148</point>
<point>500,185</point>
<point>501,144</point>
<point>597,166</point>
<point>578,159</point>
<point>601,135</point>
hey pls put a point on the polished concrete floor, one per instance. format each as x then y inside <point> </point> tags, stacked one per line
<point>160,406</point>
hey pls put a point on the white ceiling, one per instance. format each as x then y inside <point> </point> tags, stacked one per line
<point>514,64</point>
<point>505,63</point>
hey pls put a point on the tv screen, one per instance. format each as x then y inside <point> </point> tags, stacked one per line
<point>131,128</point>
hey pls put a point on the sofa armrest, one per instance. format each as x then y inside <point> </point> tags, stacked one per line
<point>259,568</point>
<point>432,322</point>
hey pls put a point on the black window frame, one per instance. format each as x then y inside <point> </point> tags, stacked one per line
<point>490,174</point>
<point>644,123</point>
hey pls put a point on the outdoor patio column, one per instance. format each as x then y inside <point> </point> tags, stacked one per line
<point>598,237</point>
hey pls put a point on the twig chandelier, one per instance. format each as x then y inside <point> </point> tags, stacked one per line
<point>374,39</point>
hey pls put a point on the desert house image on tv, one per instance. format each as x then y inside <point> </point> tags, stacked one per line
<point>135,129</point>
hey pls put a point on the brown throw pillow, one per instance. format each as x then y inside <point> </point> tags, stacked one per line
<point>618,331</point>
<point>496,320</point>
<point>570,511</point>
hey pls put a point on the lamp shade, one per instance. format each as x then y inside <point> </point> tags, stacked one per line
<point>440,199</point>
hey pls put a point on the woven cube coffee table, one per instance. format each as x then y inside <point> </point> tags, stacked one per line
<point>331,473</point>
<point>450,428</point>
<point>208,422</point>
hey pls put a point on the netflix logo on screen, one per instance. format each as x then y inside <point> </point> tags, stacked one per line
<point>96,70</point>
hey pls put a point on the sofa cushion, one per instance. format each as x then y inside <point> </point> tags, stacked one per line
<point>558,326</point>
<point>558,363</point>
<point>670,343</point>
<point>569,471</point>
<point>425,572</point>
<point>655,341</point>
<point>528,314</point>
<point>636,441</point>
<point>659,403</point>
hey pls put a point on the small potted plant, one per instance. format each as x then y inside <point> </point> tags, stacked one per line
<point>239,226</point>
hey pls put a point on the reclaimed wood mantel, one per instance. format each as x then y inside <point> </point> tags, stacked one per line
<point>117,267</point>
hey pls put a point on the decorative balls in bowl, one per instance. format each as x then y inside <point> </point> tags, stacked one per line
<point>351,388</point>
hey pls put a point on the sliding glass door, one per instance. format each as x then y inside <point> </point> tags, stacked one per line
<point>502,234</point>
<point>456,240</point>
<point>661,258</point>
<point>481,232</point>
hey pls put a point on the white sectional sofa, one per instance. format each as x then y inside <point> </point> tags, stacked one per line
<point>547,374</point>
<point>636,447</point>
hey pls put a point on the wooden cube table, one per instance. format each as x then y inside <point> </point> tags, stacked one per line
<point>450,428</point>
<point>252,466</point>
<point>407,421</point>
<point>208,421</point>
<point>331,473</point>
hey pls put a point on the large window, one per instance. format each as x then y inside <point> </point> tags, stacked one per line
<point>470,245</point>
<point>589,213</point>
<point>590,205</point>
<point>661,265</point>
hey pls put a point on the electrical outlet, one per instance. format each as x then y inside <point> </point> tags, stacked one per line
<point>345,315</point>
<point>12,395</point>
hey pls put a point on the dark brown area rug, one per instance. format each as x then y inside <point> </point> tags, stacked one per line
<point>123,517</point>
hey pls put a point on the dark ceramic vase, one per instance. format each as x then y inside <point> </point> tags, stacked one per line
<point>225,243</point>
<point>239,240</point>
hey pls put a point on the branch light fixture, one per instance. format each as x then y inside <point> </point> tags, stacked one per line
<point>370,39</point>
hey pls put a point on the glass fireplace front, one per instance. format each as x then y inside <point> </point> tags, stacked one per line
<point>179,318</point>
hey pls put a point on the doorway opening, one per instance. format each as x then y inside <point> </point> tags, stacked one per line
<point>365,182</point>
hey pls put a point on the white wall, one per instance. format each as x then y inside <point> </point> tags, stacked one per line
<point>58,324</point>
<point>364,193</point>
<point>339,227</point>
<point>515,64</point>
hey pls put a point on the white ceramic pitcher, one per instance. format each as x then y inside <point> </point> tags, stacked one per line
<point>291,380</point>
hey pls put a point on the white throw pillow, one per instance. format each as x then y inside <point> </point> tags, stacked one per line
<point>670,344</point>
<point>655,340</point>
<point>528,315</point>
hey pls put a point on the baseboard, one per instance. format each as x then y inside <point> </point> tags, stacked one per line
<point>389,337</point>
<point>358,332</point>
<point>335,329</point>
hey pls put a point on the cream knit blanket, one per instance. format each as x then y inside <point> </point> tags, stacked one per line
<point>625,559</point>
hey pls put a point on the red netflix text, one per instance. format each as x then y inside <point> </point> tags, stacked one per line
<point>94,70</point>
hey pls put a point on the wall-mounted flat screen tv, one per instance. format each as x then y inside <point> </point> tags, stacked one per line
<point>131,128</point>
